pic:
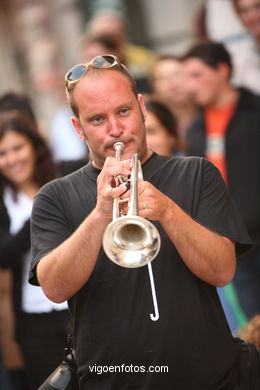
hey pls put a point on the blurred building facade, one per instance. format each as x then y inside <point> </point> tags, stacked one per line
<point>39,40</point>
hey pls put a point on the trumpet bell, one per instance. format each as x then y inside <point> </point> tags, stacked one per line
<point>131,241</point>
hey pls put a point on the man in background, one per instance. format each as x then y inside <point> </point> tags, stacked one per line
<point>227,132</point>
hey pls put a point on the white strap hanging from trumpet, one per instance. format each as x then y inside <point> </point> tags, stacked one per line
<point>156,315</point>
<point>132,241</point>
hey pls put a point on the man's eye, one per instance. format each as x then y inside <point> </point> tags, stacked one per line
<point>97,120</point>
<point>124,111</point>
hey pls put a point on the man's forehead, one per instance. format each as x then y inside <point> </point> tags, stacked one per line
<point>103,88</point>
<point>197,64</point>
<point>192,63</point>
<point>102,81</point>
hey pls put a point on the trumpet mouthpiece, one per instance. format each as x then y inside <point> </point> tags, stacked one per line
<point>118,146</point>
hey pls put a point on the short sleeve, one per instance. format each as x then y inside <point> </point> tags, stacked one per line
<point>217,210</point>
<point>49,225</point>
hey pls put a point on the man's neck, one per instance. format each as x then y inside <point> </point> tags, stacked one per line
<point>146,156</point>
<point>227,97</point>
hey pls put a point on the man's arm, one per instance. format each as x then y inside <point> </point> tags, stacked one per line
<point>209,256</point>
<point>65,269</point>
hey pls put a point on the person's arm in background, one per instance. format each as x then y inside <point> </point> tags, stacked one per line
<point>11,354</point>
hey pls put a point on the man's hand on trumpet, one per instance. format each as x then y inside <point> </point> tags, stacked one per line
<point>107,188</point>
<point>152,203</point>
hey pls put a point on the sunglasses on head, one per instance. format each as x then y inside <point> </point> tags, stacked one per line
<point>105,61</point>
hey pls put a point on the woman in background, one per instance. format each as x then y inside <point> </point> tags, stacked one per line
<point>25,165</point>
<point>161,129</point>
<point>168,87</point>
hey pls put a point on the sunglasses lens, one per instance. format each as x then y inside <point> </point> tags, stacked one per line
<point>101,62</point>
<point>76,73</point>
<point>104,61</point>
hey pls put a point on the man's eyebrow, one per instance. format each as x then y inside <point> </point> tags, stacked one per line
<point>94,115</point>
<point>126,104</point>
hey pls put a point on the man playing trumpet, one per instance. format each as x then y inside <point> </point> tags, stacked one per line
<point>200,231</point>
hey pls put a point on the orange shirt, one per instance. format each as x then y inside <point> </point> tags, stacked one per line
<point>217,120</point>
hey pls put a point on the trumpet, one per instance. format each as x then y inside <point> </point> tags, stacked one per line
<point>130,241</point>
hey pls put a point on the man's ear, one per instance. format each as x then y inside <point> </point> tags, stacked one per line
<point>225,70</point>
<point>142,106</point>
<point>77,126</point>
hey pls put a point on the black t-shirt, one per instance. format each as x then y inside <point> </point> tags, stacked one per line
<point>112,324</point>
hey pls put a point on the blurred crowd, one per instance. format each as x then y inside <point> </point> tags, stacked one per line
<point>203,102</point>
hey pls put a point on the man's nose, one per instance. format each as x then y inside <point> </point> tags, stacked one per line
<point>190,85</point>
<point>115,128</point>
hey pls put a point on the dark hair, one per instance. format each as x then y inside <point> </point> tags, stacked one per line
<point>109,41</point>
<point>16,101</point>
<point>45,168</point>
<point>211,53</point>
<point>118,68</point>
<point>235,5</point>
<point>164,115</point>
<point>166,57</point>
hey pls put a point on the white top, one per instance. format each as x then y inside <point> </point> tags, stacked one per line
<point>64,141</point>
<point>33,298</point>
